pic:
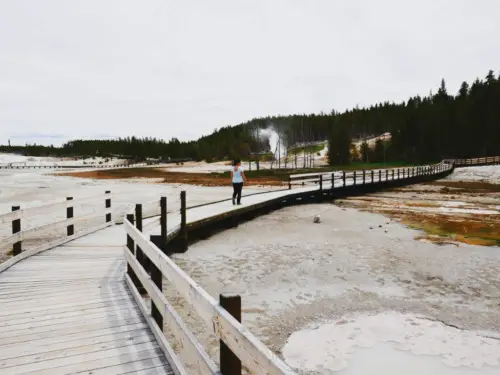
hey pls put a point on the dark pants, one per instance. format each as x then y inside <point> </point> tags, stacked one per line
<point>237,187</point>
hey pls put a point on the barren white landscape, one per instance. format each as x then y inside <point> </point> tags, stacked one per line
<point>354,294</point>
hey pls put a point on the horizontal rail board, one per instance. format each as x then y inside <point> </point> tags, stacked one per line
<point>20,236</point>
<point>47,208</point>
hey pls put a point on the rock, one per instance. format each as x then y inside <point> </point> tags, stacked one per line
<point>317,219</point>
<point>380,226</point>
<point>371,227</point>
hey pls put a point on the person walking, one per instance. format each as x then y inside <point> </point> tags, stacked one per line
<point>238,177</point>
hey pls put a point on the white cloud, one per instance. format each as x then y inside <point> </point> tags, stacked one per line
<point>169,68</point>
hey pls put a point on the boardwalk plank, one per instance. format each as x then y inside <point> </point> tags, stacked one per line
<point>121,310</point>
<point>129,368</point>
<point>63,306</point>
<point>63,330</point>
<point>87,360</point>
<point>45,346</point>
<point>106,343</point>
<point>85,319</point>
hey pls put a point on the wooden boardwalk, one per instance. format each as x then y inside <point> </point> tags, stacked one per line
<point>67,310</point>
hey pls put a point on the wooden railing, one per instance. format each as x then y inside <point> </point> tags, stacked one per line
<point>147,265</point>
<point>363,177</point>
<point>18,218</point>
<point>477,161</point>
<point>19,165</point>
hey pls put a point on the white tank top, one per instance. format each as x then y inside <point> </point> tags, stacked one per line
<point>237,177</point>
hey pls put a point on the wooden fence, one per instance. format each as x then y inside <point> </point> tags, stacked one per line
<point>62,166</point>
<point>18,216</point>
<point>477,161</point>
<point>364,177</point>
<point>147,265</point>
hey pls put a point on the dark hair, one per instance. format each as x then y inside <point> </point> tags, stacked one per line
<point>236,161</point>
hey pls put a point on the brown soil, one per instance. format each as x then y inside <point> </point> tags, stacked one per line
<point>200,179</point>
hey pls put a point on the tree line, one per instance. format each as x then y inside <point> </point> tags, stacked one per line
<point>424,129</point>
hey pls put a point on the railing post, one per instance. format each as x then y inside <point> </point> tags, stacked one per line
<point>184,234</point>
<point>364,176</point>
<point>321,183</point>
<point>108,206</point>
<point>163,220</point>
<point>16,228</point>
<point>354,177</point>
<point>230,364</point>
<point>130,247</point>
<point>138,217</point>
<point>289,182</point>
<point>380,175</point>
<point>139,255</point>
<point>70,229</point>
<point>333,181</point>
<point>387,175</point>
<point>157,279</point>
<point>398,173</point>
<point>343,177</point>
<point>373,174</point>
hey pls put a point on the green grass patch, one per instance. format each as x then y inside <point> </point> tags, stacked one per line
<point>313,149</point>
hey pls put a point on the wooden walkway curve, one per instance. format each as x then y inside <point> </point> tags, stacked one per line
<point>67,310</point>
<point>74,305</point>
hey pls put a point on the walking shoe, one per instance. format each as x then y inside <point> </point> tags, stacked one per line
<point>234,202</point>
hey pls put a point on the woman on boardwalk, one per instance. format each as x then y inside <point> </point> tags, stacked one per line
<point>238,177</point>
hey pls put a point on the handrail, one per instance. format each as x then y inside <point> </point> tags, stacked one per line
<point>43,209</point>
<point>368,176</point>
<point>19,235</point>
<point>252,352</point>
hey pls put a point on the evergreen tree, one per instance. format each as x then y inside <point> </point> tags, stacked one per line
<point>378,153</point>
<point>339,146</point>
<point>364,151</point>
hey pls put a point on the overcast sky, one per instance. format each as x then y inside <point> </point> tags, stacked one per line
<point>99,68</point>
